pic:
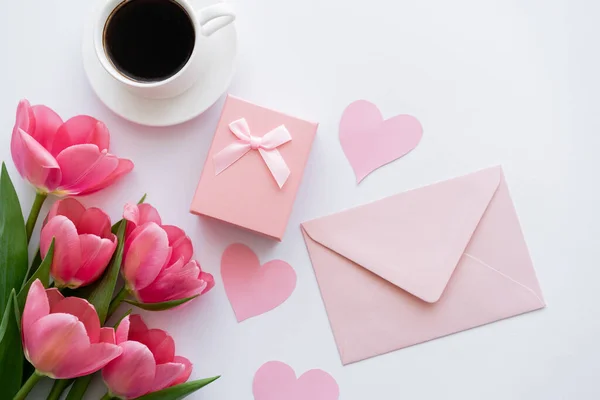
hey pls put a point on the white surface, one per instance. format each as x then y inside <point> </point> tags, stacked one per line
<point>499,81</point>
<point>213,63</point>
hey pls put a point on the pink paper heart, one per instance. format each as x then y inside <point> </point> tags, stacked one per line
<point>277,381</point>
<point>370,142</point>
<point>253,289</point>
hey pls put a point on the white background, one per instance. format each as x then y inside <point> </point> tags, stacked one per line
<point>512,82</point>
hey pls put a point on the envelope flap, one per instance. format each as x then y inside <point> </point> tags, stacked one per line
<point>414,239</point>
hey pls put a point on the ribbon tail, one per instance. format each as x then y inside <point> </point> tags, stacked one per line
<point>276,165</point>
<point>229,155</point>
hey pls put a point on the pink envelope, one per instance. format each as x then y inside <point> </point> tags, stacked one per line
<point>422,264</point>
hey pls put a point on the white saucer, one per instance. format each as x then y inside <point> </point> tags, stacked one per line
<point>215,77</point>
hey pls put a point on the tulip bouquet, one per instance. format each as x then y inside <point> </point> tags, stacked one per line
<point>54,310</point>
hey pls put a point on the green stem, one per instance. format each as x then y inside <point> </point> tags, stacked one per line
<point>34,213</point>
<point>27,386</point>
<point>58,387</point>
<point>114,304</point>
<point>107,396</point>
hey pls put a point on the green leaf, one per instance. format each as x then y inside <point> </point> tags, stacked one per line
<point>42,273</point>
<point>128,312</point>
<point>100,297</point>
<point>165,305</point>
<point>13,241</point>
<point>58,388</point>
<point>35,264</point>
<point>103,289</point>
<point>11,356</point>
<point>143,199</point>
<point>79,387</point>
<point>178,391</point>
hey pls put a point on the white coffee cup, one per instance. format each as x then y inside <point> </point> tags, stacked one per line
<point>206,21</point>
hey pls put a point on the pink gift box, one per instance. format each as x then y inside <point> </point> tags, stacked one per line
<point>245,190</point>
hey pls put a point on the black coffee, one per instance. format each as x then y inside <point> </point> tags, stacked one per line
<point>149,40</point>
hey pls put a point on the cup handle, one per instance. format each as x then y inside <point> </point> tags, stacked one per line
<point>214,17</point>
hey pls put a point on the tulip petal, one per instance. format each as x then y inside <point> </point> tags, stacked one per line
<point>68,207</point>
<point>36,306</point>
<point>87,361</point>
<point>67,248</point>
<point>166,374</point>
<point>122,333</point>
<point>158,341</point>
<point>84,166</point>
<point>146,251</point>
<point>47,123</point>
<point>124,167</point>
<point>96,222</point>
<point>38,153</point>
<point>53,339</point>
<point>148,214</point>
<point>138,215</point>
<point>132,374</point>
<point>180,243</point>
<point>54,296</point>
<point>176,282</point>
<point>137,327</point>
<point>84,311</point>
<point>187,371</point>
<point>39,167</point>
<point>131,213</point>
<point>209,279</point>
<point>95,256</point>
<point>81,129</point>
<point>107,335</point>
<point>25,120</point>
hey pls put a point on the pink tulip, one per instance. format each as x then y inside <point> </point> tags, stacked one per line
<point>83,242</point>
<point>157,262</point>
<point>148,362</point>
<point>64,158</point>
<point>62,337</point>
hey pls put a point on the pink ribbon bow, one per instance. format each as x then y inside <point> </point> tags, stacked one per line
<point>266,146</point>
